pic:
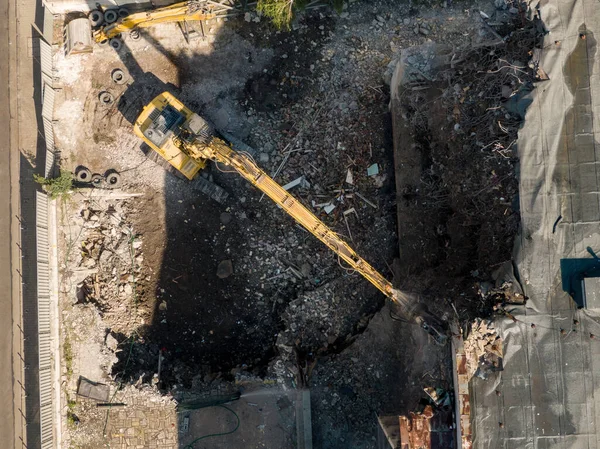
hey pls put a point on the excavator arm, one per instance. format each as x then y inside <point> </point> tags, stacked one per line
<point>179,12</point>
<point>218,151</point>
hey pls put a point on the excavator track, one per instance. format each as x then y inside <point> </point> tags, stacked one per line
<point>199,183</point>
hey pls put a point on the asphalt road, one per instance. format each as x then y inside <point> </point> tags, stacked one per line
<point>7,423</point>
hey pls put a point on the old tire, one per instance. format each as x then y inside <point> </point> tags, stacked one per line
<point>106,98</point>
<point>111,15</point>
<point>97,180</point>
<point>113,179</point>
<point>123,12</point>
<point>96,18</point>
<point>115,43</point>
<point>83,175</point>
<point>135,35</point>
<point>118,76</point>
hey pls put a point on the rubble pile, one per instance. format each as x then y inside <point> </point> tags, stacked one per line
<point>285,265</point>
<point>314,327</point>
<point>106,263</point>
<point>483,349</point>
<point>462,107</point>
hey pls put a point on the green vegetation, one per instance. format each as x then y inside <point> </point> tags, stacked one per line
<point>58,187</point>
<point>68,355</point>
<point>72,419</point>
<point>281,12</point>
<point>338,5</point>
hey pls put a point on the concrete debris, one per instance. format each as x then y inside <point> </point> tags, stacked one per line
<point>373,170</point>
<point>349,177</point>
<point>328,208</point>
<point>306,269</point>
<point>225,218</point>
<point>483,348</point>
<point>93,390</point>
<point>225,269</point>
<point>300,181</point>
<point>318,113</point>
<point>111,343</point>
<point>108,263</point>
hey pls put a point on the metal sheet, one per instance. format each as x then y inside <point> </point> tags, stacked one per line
<point>546,397</point>
<point>44,322</point>
<point>46,58</point>
<point>50,158</point>
<point>93,390</point>
<point>48,104</point>
<point>591,293</point>
<point>49,135</point>
<point>41,205</point>
<point>48,26</point>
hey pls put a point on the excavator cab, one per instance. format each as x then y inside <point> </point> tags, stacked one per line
<point>170,129</point>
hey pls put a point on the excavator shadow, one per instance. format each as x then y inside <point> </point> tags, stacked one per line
<point>198,330</point>
<point>142,88</point>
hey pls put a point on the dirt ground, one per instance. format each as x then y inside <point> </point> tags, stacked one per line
<point>312,101</point>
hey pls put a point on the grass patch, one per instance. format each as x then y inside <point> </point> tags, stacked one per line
<point>282,12</point>
<point>68,355</point>
<point>72,419</point>
<point>59,187</point>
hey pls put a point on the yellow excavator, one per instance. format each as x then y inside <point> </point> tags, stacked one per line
<point>111,23</point>
<point>188,141</point>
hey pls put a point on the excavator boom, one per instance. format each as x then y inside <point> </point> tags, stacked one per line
<point>219,151</point>
<point>184,138</point>
<point>179,12</point>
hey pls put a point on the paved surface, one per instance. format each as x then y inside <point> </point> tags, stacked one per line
<point>145,421</point>
<point>7,423</point>
<point>17,225</point>
<point>267,419</point>
<point>145,425</point>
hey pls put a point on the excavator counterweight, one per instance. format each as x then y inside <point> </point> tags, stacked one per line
<point>188,142</point>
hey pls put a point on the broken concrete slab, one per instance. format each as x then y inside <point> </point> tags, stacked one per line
<point>225,269</point>
<point>93,390</point>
